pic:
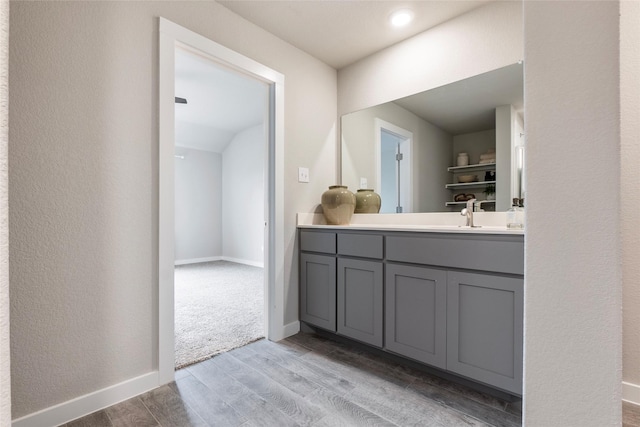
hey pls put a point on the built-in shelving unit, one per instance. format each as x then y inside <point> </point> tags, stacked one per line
<point>470,168</point>
<point>463,170</point>
<point>484,202</point>
<point>469,184</point>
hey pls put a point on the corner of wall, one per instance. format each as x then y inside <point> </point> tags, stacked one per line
<point>5,371</point>
<point>630,205</point>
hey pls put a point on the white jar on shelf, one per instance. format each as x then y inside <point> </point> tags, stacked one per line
<point>463,159</point>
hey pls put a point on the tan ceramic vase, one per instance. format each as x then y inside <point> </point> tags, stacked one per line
<point>367,201</point>
<point>338,205</point>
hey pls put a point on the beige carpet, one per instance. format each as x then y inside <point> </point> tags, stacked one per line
<point>219,306</point>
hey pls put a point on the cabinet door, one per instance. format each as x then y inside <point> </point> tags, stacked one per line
<point>360,300</point>
<point>484,328</point>
<point>415,318</point>
<point>318,290</point>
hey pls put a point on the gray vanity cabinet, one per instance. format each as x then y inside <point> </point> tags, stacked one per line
<point>415,321</point>
<point>450,300</point>
<point>318,290</point>
<point>318,279</point>
<point>360,300</point>
<point>484,328</point>
<point>360,288</point>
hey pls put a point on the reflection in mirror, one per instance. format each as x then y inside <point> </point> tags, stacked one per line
<point>408,150</point>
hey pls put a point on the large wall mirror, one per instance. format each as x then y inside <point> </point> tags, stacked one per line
<point>409,150</point>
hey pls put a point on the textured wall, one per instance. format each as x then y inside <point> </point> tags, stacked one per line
<point>242,196</point>
<point>5,382</point>
<point>84,182</point>
<point>573,281</point>
<point>481,40</point>
<point>198,204</point>
<point>630,183</point>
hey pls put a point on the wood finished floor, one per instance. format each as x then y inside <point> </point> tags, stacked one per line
<point>306,380</point>
<point>630,415</point>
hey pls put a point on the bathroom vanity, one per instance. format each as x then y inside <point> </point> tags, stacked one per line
<point>445,296</point>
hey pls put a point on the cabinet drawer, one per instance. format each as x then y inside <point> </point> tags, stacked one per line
<point>360,245</point>
<point>503,254</point>
<point>313,241</point>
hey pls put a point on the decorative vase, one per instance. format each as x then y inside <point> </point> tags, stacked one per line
<point>367,201</point>
<point>463,159</point>
<point>491,196</point>
<point>338,205</point>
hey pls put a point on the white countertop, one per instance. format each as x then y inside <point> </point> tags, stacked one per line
<point>489,223</point>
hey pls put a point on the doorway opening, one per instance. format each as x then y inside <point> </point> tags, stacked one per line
<point>394,166</point>
<point>171,37</point>
<point>220,141</point>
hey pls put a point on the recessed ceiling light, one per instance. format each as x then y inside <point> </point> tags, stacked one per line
<point>401,18</point>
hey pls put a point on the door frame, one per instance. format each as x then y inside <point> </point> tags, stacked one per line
<point>172,35</point>
<point>379,126</point>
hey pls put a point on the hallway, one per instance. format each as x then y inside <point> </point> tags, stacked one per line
<point>306,380</point>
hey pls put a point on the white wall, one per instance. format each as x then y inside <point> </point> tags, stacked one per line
<point>484,39</point>
<point>630,182</point>
<point>504,138</point>
<point>5,371</point>
<point>243,197</point>
<point>572,267</point>
<point>201,137</point>
<point>474,144</point>
<point>198,205</point>
<point>518,153</point>
<point>84,182</point>
<point>431,152</point>
<point>219,201</point>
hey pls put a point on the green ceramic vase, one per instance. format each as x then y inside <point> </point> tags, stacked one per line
<point>338,205</point>
<point>367,201</point>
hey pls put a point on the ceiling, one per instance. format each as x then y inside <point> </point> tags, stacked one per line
<point>469,105</point>
<point>341,32</point>
<point>220,102</point>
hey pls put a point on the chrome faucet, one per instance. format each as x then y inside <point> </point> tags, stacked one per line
<point>468,212</point>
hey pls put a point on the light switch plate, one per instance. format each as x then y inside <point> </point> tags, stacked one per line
<point>363,183</point>
<point>303,174</point>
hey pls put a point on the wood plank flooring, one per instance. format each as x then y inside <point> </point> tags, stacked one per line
<point>630,415</point>
<point>306,380</point>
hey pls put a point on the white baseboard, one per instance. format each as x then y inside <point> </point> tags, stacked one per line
<point>631,393</point>
<point>89,403</point>
<point>281,332</point>
<point>243,261</point>
<point>197,260</point>
<point>291,329</point>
